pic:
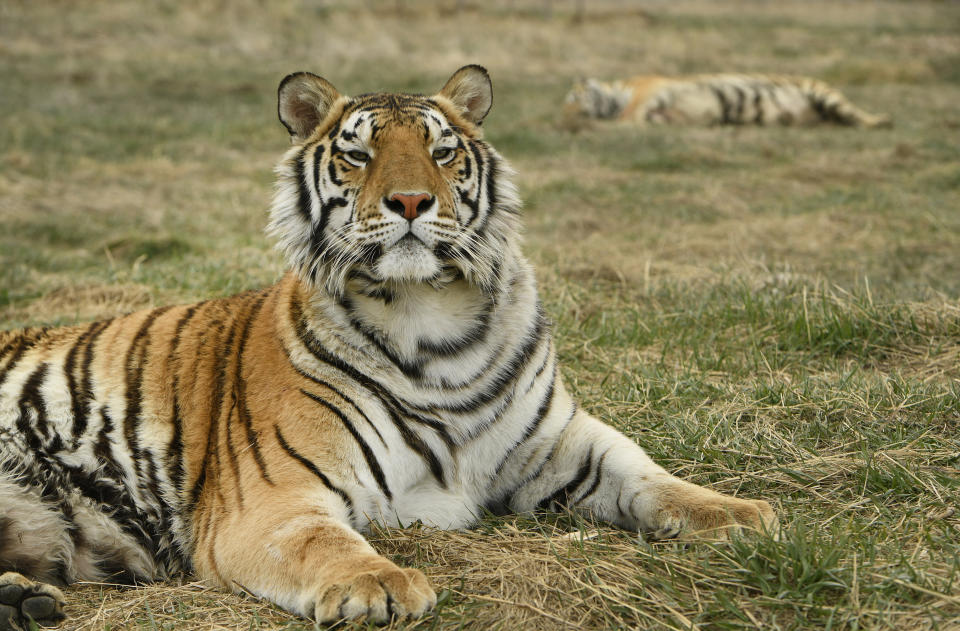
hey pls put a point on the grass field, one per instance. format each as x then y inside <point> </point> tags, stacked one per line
<point>770,312</point>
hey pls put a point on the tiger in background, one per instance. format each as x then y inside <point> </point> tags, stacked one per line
<point>403,369</point>
<point>716,99</point>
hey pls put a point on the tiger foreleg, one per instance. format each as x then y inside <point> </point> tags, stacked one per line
<point>596,470</point>
<point>305,557</point>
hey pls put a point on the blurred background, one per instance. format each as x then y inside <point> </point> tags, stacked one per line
<point>137,139</point>
<point>771,311</point>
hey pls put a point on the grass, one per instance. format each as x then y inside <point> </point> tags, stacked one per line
<point>771,312</point>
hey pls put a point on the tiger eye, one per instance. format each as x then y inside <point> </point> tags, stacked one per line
<point>442,154</point>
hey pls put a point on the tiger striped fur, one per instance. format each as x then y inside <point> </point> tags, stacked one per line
<point>402,370</point>
<point>717,99</point>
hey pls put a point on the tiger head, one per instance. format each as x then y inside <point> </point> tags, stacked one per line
<point>392,188</point>
<point>591,98</point>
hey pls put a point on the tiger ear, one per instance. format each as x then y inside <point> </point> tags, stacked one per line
<point>470,90</point>
<point>303,101</point>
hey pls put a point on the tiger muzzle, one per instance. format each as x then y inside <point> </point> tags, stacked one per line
<point>410,205</point>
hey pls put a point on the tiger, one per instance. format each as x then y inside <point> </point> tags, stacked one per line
<point>716,99</point>
<point>402,370</point>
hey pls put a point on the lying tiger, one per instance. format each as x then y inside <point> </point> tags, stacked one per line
<point>720,99</point>
<point>402,370</point>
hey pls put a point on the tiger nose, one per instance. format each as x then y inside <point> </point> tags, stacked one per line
<point>409,204</point>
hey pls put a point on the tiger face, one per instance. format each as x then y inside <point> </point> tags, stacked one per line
<point>592,99</point>
<point>391,189</point>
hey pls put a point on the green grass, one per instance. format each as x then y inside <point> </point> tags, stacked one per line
<point>772,312</point>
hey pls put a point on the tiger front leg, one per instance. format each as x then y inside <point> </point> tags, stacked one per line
<point>598,471</point>
<point>304,555</point>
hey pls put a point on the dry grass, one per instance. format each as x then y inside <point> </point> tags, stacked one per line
<point>772,312</point>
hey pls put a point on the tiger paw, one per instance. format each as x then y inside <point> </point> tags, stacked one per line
<point>22,600</point>
<point>375,590</point>
<point>687,509</point>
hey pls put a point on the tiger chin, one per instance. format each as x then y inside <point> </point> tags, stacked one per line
<point>402,370</point>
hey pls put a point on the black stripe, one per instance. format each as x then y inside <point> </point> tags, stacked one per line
<point>317,236</point>
<point>134,368</point>
<point>77,400</point>
<point>326,207</point>
<point>596,482</point>
<point>158,525</point>
<point>218,396</point>
<point>492,174</point>
<point>472,204</point>
<point>175,456</point>
<point>332,172</point>
<point>375,130</point>
<point>304,204</point>
<point>22,344</point>
<point>103,449</point>
<point>467,169</point>
<point>56,479</point>
<point>380,293</point>
<point>738,108</point>
<point>243,410</point>
<point>215,401</point>
<point>313,469</point>
<point>336,128</point>
<point>231,452</point>
<point>724,105</point>
<point>757,106</point>
<point>31,397</point>
<point>561,496</point>
<point>481,172</point>
<point>371,458</point>
<point>14,340</point>
<point>157,530</point>
<point>317,158</point>
<point>85,401</point>
<point>819,106</point>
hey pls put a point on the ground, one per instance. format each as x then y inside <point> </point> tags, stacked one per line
<point>770,312</point>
